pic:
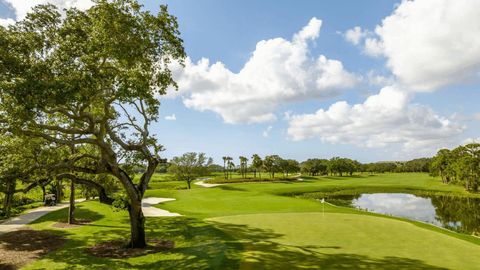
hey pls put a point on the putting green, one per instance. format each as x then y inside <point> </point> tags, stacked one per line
<point>344,241</point>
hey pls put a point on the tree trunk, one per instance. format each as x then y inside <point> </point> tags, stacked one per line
<point>43,193</point>
<point>188,184</point>
<point>58,191</point>
<point>71,209</point>
<point>7,204</point>
<point>137,225</point>
<point>225,175</point>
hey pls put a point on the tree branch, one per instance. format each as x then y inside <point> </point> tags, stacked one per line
<point>102,193</point>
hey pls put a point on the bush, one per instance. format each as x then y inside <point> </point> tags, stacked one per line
<point>19,200</point>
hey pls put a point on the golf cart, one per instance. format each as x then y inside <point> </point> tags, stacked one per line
<point>50,200</point>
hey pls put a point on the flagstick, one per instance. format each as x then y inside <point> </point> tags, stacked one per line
<point>323,207</point>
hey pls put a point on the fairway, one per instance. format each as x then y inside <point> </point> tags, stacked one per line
<point>344,241</point>
<point>252,226</point>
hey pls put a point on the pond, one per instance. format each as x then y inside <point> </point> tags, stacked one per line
<point>458,214</point>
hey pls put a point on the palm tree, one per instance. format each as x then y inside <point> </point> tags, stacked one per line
<point>225,159</point>
<point>231,166</point>
<point>243,165</point>
<point>257,164</point>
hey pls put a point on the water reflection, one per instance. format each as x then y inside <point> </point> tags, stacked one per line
<point>454,213</point>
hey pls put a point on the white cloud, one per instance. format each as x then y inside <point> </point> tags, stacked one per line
<point>383,119</point>
<point>430,43</point>
<point>311,31</point>
<point>171,117</point>
<point>278,71</point>
<point>6,22</point>
<point>376,79</point>
<point>476,116</point>
<point>373,47</point>
<point>471,140</point>
<point>355,35</point>
<point>266,132</point>
<point>22,7</point>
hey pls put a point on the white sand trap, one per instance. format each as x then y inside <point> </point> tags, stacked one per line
<point>203,184</point>
<point>149,210</point>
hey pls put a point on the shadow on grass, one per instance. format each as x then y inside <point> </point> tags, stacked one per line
<point>204,245</point>
<point>344,177</point>
<point>61,215</point>
<point>263,252</point>
<point>198,245</point>
<point>230,188</point>
<point>24,246</point>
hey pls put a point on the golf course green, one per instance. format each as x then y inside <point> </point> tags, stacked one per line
<point>270,226</point>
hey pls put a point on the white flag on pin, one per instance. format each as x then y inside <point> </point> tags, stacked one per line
<point>323,200</point>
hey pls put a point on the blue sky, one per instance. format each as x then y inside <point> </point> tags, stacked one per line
<point>403,115</point>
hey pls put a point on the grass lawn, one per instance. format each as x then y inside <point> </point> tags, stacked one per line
<point>252,226</point>
<point>344,241</point>
<point>198,245</point>
<point>218,178</point>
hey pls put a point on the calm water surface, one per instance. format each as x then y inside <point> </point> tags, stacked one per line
<point>454,213</point>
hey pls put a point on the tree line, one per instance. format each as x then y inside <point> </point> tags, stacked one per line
<point>345,166</point>
<point>192,165</point>
<point>198,165</point>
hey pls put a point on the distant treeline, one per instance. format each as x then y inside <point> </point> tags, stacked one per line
<point>316,166</point>
<point>346,166</point>
<point>459,166</point>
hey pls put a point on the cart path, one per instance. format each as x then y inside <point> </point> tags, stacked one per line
<point>18,222</point>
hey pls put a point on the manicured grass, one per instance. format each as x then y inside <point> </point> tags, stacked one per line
<point>254,225</point>
<point>344,241</point>
<point>198,245</point>
<point>218,178</point>
<point>389,182</point>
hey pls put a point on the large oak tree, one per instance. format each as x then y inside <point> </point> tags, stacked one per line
<point>92,78</point>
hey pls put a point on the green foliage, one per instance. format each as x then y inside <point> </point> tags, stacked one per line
<point>215,168</point>
<point>20,170</point>
<point>92,79</point>
<point>315,166</point>
<point>379,167</point>
<point>121,202</point>
<point>289,166</point>
<point>342,166</point>
<point>415,165</point>
<point>190,166</point>
<point>257,164</point>
<point>460,166</point>
<point>243,166</point>
<point>228,166</point>
<point>113,50</point>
